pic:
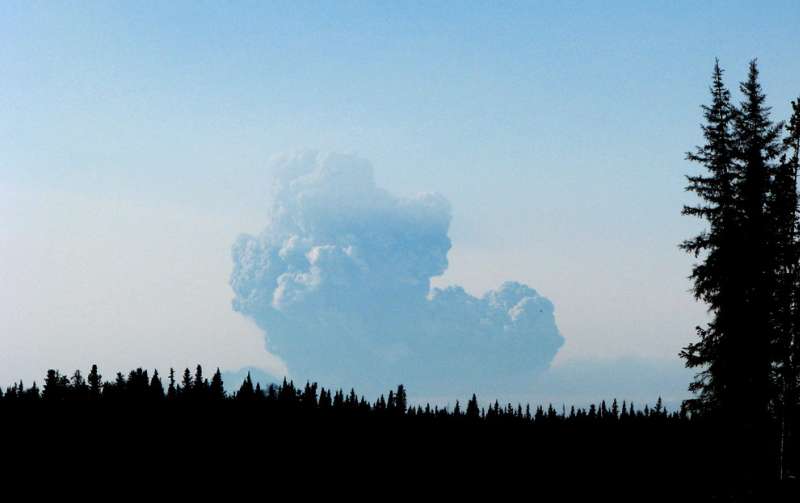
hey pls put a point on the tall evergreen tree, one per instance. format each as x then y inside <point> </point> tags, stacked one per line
<point>199,385</point>
<point>714,275</point>
<point>473,412</point>
<point>759,146</point>
<point>156,387</point>
<point>338,400</point>
<point>95,381</point>
<point>172,393</point>
<point>325,399</point>
<point>259,394</point>
<point>120,384</point>
<point>32,393</point>
<point>758,149</point>
<point>246,390</point>
<point>217,388</point>
<point>54,387</point>
<point>138,385</point>
<point>401,400</point>
<point>309,396</point>
<point>187,382</point>
<point>78,386</point>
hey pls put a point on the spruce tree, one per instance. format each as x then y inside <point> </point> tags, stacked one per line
<point>33,393</point>
<point>120,384</point>
<point>78,386</point>
<point>714,275</point>
<point>54,388</point>
<point>758,149</point>
<point>325,399</point>
<point>390,404</point>
<point>338,400</point>
<point>156,387</point>
<point>172,393</point>
<point>187,382</point>
<point>217,388</point>
<point>473,412</point>
<point>259,394</point>
<point>246,390</point>
<point>199,385</point>
<point>95,381</point>
<point>309,396</point>
<point>401,399</point>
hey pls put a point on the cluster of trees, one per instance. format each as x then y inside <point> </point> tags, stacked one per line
<point>138,387</point>
<point>748,272</point>
<point>647,444</point>
<point>138,416</point>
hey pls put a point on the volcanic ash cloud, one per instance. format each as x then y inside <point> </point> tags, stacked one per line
<point>339,281</point>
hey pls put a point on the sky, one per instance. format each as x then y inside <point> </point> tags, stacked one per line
<point>138,140</point>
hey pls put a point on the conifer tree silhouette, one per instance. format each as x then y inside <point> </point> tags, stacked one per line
<point>246,390</point>
<point>95,381</point>
<point>55,386</point>
<point>473,412</point>
<point>78,386</point>
<point>172,392</point>
<point>715,276</point>
<point>309,396</point>
<point>401,399</point>
<point>186,387</point>
<point>199,385</point>
<point>259,394</point>
<point>758,147</point>
<point>156,387</point>
<point>217,387</point>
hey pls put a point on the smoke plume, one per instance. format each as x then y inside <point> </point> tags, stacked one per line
<point>339,281</point>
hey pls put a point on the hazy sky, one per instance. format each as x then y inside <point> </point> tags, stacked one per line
<point>136,138</point>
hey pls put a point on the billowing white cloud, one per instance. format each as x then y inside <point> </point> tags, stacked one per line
<point>339,280</point>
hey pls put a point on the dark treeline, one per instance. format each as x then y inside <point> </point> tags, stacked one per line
<point>616,441</point>
<point>286,398</point>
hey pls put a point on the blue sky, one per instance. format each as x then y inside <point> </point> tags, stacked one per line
<point>135,136</point>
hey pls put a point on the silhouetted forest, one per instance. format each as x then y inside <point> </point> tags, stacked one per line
<point>139,387</point>
<point>616,440</point>
<point>737,439</point>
